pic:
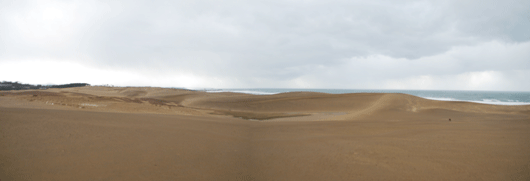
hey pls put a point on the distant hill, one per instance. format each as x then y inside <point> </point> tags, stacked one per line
<point>6,85</point>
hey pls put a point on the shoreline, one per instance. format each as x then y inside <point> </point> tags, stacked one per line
<point>485,100</point>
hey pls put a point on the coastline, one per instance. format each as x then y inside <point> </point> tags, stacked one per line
<point>483,97</point>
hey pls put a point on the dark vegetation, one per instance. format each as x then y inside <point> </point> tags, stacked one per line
<point>6,85</point>
<point>255,115</point>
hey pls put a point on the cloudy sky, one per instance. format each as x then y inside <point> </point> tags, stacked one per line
<point>375,44</point>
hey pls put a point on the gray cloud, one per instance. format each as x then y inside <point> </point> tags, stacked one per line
<point>276,43</point>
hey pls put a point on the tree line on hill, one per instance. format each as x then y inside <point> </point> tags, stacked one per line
<point>6,85</point>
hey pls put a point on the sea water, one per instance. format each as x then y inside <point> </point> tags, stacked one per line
<point>485,97</point>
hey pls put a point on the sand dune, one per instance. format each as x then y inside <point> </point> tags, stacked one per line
<point>141,133</point>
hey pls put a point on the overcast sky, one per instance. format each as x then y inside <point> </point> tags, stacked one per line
<point>375,44</point>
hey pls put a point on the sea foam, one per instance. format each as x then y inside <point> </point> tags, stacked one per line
<point>484,101</point>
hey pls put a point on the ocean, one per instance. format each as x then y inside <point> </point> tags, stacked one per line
<point>484,97</point>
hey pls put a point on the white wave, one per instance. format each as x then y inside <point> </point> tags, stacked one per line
<point>255,92</point>
<point>213,91</point>
<point>491,100</point>
<point>497,102</point>
<point>244,92</point>
<point>484,101</point>
<point>441,98</point>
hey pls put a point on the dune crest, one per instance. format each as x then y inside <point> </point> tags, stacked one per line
<point>260,107</point>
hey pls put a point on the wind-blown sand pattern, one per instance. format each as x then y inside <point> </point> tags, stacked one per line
<point>106,133</point>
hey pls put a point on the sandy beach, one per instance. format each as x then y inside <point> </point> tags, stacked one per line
<point>145,133</point>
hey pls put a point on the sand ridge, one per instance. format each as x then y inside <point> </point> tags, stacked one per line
<point>145,133</point>
<point>261,107</point>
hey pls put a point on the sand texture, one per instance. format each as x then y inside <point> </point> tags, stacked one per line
<point>143,133</point>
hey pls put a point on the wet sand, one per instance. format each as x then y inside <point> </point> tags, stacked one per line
<point>105,133</point>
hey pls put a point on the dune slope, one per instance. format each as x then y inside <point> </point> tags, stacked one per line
<point>106,133</point>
